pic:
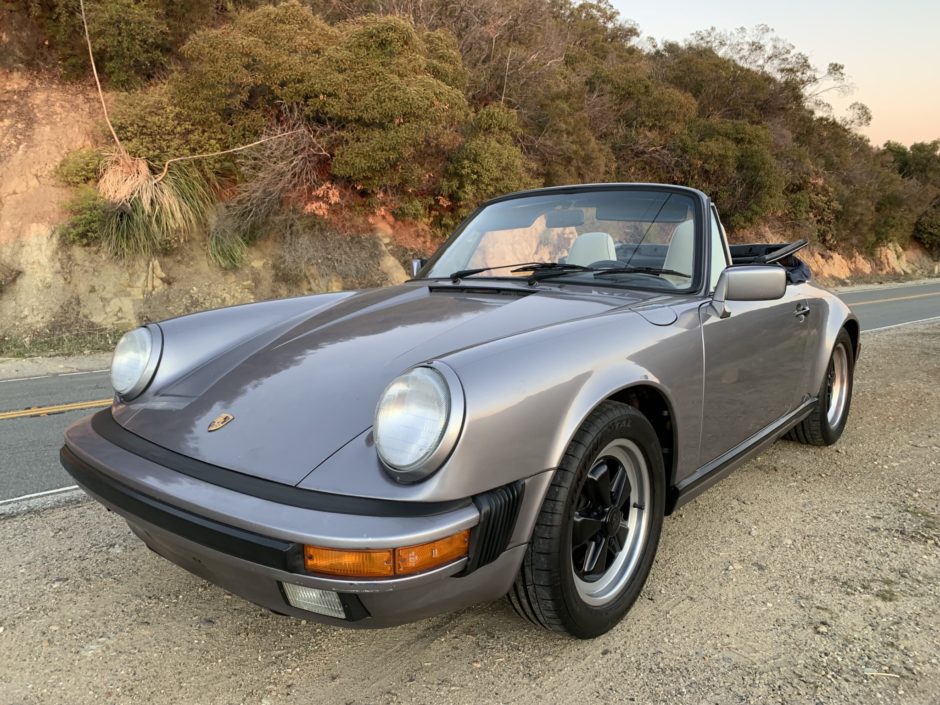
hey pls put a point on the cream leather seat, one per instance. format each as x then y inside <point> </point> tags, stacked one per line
<point>681,253</point>
<point>589,248</point>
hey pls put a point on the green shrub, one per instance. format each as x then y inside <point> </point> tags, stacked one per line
<point>488,163</point>
<point>385,158</point>
<point>131,40</point>
<point>154,126</point>
<point>927,229</point>
<point>80,166</point>
<point>443,60</point>
<point>88,216</point>
<point>227,247</point>
<point>412,209</point>
<point>384,97</point>
<point>264,58</point>
<point>395,118</point>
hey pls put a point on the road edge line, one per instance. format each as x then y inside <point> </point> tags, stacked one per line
<point>37,501</point>
<point>898,325</point>
<point>34,495</point>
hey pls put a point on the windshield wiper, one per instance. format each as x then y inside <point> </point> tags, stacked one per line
<point>553,267</point>
<point>657,271</point>
<point>598,272</point>
<point>547,270</point>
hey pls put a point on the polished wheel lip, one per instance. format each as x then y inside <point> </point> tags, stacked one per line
<point>837,387</point>
<point>636,518</point>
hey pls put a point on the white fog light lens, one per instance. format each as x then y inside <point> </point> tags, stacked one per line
<point>133,359</point>
<point>411,419</point>
<point>313,600</point>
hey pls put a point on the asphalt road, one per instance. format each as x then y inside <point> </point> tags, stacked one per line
<point>887,306</point>
<point>35,411</point>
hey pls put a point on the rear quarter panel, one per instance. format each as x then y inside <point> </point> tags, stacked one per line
<point>831,315</point>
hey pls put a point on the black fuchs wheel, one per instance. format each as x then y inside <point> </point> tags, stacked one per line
<point>596,535</point>
<point>826,422</point>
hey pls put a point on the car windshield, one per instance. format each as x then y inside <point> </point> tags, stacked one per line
<point>620,237</point>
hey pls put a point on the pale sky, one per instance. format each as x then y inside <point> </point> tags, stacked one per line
<point>891,50</point>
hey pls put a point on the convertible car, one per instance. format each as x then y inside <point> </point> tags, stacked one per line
<point>571,365</point>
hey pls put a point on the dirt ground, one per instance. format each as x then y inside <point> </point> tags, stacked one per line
<point>808,576</point>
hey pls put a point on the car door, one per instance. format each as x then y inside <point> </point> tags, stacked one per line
<point>754,365</point>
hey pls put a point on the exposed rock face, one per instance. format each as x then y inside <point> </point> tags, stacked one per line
<point>38,126</point>
<point>888,260</point>
<point>831,267</point>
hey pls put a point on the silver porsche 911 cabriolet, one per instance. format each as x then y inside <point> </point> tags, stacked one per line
<point>572,365</point>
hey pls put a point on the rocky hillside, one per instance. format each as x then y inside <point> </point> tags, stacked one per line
<point>55,295</point>
<point>52,290</point>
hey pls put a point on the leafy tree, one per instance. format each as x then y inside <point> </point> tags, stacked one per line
<point>733,162</point>
<point>927,228</point>
<point>921,161</point>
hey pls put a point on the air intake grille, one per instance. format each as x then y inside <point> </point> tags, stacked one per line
<point>498,510</point>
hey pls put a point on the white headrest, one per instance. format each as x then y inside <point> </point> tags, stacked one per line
<point>589,248</point>
<point>681,252</point>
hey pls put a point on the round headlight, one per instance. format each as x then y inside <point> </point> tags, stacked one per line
<point>134,362</point>
<point>417,422</point>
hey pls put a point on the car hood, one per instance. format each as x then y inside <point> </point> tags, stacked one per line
<point>301,395</point>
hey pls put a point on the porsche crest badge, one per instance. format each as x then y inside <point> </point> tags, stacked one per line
<point>220,421</point>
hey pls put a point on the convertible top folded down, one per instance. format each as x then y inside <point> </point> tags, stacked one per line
<point>798,271</point>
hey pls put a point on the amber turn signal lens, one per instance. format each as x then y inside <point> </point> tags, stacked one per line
<point>425,556</point>
<point>349,564</point>
<point>386,563</point>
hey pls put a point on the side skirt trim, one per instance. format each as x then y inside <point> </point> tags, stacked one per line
<point>712,472</point>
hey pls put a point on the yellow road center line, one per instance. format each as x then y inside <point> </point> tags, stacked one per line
<point>54,409</point>
<point>897,298</point>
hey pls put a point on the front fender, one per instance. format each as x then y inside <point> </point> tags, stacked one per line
<point>527,395</point>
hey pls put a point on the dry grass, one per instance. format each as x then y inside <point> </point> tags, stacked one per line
<point>274,172</point>
<point>310,251</point>
<point>124,179</point>
<point>145,215</point>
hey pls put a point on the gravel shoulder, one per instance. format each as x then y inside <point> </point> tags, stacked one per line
<point>808,576</point>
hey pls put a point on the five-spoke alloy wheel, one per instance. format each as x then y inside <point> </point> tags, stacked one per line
<point>611,522</point>
<point>596,535</point>
<point>826,421</point>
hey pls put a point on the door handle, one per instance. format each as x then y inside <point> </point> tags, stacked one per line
<point>802,310</point>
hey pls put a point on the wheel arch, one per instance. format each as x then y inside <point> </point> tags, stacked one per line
<point>650,398</point>
<point>838,317</point>
<point>852,328</point>
<point>652,401</point>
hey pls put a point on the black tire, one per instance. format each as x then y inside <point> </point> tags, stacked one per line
<point>817,429</point>
<point>545,591</point>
